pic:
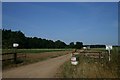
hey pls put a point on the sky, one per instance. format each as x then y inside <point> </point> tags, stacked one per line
<point>87,22</point>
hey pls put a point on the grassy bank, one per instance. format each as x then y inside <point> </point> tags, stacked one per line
<point>93,68</point>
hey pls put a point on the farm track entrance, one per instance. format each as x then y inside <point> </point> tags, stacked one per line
<point>94,65</point>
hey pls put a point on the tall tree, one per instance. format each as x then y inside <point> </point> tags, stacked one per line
<point>9,37</point>
<point>60,44</point>
<point>79,45</point>
<point>72,45</point>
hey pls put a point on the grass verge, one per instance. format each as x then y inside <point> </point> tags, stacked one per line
<point>93,68</point>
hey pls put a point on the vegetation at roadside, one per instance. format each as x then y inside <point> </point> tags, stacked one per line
<point>86,64</point>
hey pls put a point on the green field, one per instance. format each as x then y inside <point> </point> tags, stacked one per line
<point>32,50</point>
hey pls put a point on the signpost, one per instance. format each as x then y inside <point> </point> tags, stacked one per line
<point>74,61</point>
<point>74,58</point>
<point>15,45</point>
<point>109,48</point>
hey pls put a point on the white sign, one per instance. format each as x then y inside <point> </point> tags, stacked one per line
<point>15,44</point>
<point>108,47</point>
<point>73,59</point>
<point>74,62</point>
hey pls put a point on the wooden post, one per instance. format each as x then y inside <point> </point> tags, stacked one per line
<point>99,55</point>
<point>15,58</point>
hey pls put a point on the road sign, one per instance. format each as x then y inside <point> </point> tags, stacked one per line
<point>108,47</point>
<point>84,47</point>
<point>74,62</point>
<point>15,44</point>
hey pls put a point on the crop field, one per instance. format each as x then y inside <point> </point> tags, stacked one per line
<point>32,50</point>
<point>28,56</point>
<point>91,67</point>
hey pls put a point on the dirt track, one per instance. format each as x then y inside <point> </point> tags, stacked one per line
<point>44,69</point>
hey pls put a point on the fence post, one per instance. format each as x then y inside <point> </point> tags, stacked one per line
<point>15,45</point>
<point>15,58</point>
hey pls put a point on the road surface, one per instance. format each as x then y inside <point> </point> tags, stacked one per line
<point>44,69</point>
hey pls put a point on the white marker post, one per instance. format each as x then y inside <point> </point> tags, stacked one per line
<point>109,48</point>
<point>73,61</point>
<point>15,45</point>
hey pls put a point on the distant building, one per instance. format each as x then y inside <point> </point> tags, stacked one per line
<point>84,47</point>
<point>88,47</point>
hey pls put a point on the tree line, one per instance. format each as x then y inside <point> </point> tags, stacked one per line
<point>9,37</point>
<point>95,46</point>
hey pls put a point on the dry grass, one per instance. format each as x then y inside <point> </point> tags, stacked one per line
<point>90,67</point>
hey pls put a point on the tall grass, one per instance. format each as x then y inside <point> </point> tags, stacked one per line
<point>67,70</point>
<point>112,67</point>
<point>115,61</point>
